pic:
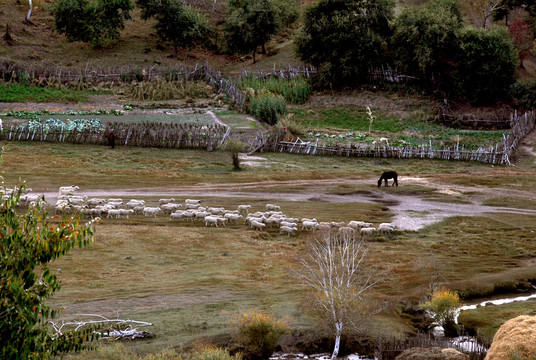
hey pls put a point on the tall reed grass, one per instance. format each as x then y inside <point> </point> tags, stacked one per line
<point>295,90</point>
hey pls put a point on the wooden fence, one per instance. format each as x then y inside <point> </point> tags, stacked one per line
<point>390,348</point>
<point>498,154</point>
<point>159,135</point>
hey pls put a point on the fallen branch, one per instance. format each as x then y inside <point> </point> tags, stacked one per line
<point>117,328</point>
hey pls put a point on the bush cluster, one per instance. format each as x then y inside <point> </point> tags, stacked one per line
<point>259,333</point>
<point>267,106</point>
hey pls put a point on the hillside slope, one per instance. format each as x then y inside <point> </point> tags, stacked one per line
<point>37,44</point>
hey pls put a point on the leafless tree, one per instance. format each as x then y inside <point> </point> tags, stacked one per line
<point>335,269</point>
<point>482,10</point>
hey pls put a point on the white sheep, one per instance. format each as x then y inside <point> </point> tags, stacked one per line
<point>178,215</point>
<point>201,214</point>
<point>257,225</point>
<point>215,210</point>
<point>64,190</point>
<point>288,223</point>
<point>151,211</point>
<point>138,210</point>
<point>133,203</point>
<point>192,201</point>
<point>233,217</point>
<point>358,225</point>
<point>272,207</point>
<point>114,212</point>
<point>287,229</point>
<point>323,227</point>
<point>385,228</point>
<point>126,213</point>
<point>166,201</point>
<point>212,220</point>
<point>243,208</point>
<point>96,201</point>
<point>114,204</point>
<point>168,208</point>
<point>115,200</point>
<point>367,231</point>
<point>191,206</point>
<point>309,225</point>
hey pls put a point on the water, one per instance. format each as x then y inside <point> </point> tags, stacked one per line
<point>323,356</point>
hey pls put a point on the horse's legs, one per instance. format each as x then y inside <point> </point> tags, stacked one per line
<point>396,181</point>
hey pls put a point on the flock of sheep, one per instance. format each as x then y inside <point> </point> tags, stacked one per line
<point>191,210</point>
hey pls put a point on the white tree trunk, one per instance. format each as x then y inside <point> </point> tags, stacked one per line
<point>337,346</point>
<point>29,11</point>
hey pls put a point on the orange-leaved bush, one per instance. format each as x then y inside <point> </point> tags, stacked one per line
<point>443,305</point>
<point>259,333</point>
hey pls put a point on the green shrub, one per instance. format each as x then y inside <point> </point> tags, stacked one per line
<point>487,63</point>
<point>214,353</point>
<point>259,333</point>
<point>267,106</point>
<point>525,94</point>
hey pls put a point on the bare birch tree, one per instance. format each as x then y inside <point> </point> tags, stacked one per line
<point>481,11</point>
<point>334,267</point>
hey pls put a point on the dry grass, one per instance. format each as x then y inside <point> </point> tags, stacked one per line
<point>182,276</point>
<point>516,339</point>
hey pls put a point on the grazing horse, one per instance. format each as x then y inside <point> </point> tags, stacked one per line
<point>388,175</point>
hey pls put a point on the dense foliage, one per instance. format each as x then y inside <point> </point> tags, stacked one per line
<point>424,39</point>
<point>343,39</point>
<point>250,24</point>
<point>486,63</point>
<point>180,24</point>
<point>28,243</point>
<point>92,22</point>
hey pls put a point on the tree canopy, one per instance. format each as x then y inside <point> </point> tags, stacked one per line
<point>343,39</point>
<point>180,24</point>
<point>91,22</point>
<point>425,39</point>
<point>250,24</point>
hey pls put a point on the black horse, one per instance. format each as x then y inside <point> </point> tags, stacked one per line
<point>388,175</point>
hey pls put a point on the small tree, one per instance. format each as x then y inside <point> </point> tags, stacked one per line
<point>344,38</point>
<point>442,306</point>
<point>250,24</point>
<point>334,268</point>
<point>92,22</point>
<point>180,24</point>
<point>522,38</point>
<point>235,147</point>
<point>28,243</point>
<point>259,333</point>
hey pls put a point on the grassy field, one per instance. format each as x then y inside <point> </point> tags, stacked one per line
<point>19,93</point>
<point>188,280</point>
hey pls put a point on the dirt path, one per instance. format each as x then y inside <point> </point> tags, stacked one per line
<point>412,212</point>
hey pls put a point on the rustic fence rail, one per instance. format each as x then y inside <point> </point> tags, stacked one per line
<point>179,136</point>
<point>193,136</point>
<point>520,125</point>
<point>388,348</point>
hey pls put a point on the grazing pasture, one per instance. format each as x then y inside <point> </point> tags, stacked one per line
<point>186,278</point>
